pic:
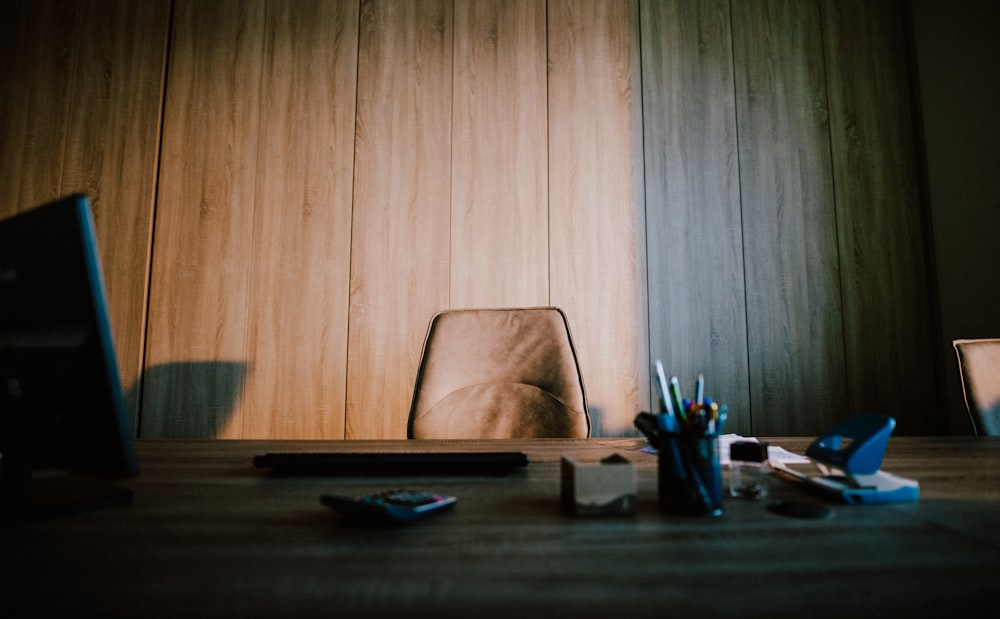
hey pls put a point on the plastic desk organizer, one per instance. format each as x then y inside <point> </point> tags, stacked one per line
<point>849,456</point>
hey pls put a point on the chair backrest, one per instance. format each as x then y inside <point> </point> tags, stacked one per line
<point>979,369</point>
<point>499,373</point>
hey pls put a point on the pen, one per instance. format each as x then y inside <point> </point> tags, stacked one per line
<point>671,414</point>
<point>699,390</point>
<point>675,393</point>
<point>712,411</point>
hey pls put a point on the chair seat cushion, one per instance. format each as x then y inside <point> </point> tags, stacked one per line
<point>500,410</point>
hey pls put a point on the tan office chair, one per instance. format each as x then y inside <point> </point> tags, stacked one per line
<point>499,373</point>
<point>979,370</point>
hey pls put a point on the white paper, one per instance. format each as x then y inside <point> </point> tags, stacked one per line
<point>775,453</point>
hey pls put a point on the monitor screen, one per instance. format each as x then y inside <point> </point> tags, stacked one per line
<point>61,401</point>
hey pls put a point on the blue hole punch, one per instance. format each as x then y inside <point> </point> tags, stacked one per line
<point>855,446</point>
<point>850,457</point>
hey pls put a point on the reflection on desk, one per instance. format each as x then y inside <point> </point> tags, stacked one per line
<point>208,534</point>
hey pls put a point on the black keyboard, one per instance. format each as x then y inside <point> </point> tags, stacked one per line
<point>492,463</point>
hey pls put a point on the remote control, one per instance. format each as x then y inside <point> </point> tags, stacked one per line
<point>397,505</point>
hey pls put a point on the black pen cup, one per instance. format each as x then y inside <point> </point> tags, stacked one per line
<point>689,475</point>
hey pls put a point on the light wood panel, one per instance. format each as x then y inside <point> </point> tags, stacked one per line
<point>887,306</point>
<point>80,110</point>
<point>794,310</point>
<point>402,209</point>
<point>596,240</point>
<point>697,312</point>
<point>299,285</point>
<point>499,240</point>
<point>204,222</point>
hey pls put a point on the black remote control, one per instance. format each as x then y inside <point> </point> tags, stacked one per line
<point>397,505</point>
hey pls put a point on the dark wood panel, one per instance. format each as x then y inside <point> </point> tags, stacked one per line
<point>299,284</point>
<point>209,532</point>
<point>80,110</point>
<point>402,206</point>
<point>697,310</point>
<point>794,309</point>
<point>195,355</point>
<point>37,41</point>
<point>111,154</point>
<point>887,324</point>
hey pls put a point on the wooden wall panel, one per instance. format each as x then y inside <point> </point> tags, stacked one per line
<point>80,110</point>
<point>112,151</point>
<point>697,311</point>
<point>402,209</point>
<point>794,310</point>
<point>889,338</point>
<point>195,356</point>
<point>499,237</point>
<point>299,287</point>
<point>595,227</point>
<point>37,41</point>
<point>302,243</point>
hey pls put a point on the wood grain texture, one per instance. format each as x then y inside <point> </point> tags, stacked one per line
<point>80,112</point>
<point>207,531</point>
<point>508,171</point>
<point>794,310</point>
<point>887,305</point>
<point>402,208</point>
<point>299,285</point>
<point>111,154</point>
<point>499,240</point>
<point>195,354</point>
<point>37,41</point>
<point>595,234</point>
<point>697,309</point>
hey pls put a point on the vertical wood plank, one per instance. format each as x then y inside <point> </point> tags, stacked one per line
<point>299,286</point>
<point>889,339</point>
<point>499,235</point>
<point>112,148</point>
<point>402,188</point>
<point>697,312</point>
<point>794,314</point>
<point>37,41</point>
<point>596,237</point>
<point>80,89</point>
<point>204,222</point>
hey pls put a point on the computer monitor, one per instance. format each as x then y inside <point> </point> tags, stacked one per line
<point>64,429</point>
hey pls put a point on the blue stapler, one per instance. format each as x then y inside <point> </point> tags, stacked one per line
<point>849,458</point>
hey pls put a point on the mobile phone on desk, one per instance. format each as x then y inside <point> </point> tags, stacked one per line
<point>397,505</point>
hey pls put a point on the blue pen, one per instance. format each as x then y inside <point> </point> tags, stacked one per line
<point>699,390</point>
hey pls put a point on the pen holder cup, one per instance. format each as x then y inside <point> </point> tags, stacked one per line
<point>689,475</point>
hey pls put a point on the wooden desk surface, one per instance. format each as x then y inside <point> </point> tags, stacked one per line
<point>210,535</point>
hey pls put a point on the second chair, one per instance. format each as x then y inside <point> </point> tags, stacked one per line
<point>499,373</point>
<point>979,373</point>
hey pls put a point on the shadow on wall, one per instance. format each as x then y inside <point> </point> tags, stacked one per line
<point>191,399</point>
<point>595,422</point>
